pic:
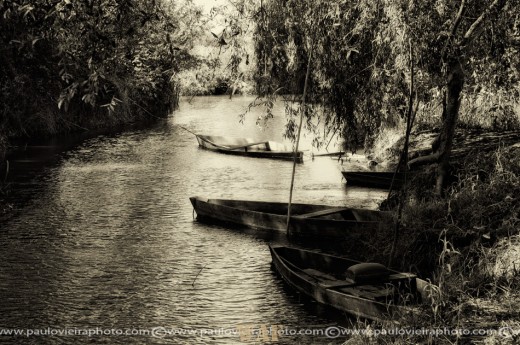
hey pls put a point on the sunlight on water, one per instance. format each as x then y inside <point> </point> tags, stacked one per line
<point>108,238</point>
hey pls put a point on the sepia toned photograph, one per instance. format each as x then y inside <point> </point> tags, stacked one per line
<point>229,172</point>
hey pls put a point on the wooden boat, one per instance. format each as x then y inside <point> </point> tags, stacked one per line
<point>307,220</point>
<point>366,290</point>
<point>248,147</point>
<point>374,179</point>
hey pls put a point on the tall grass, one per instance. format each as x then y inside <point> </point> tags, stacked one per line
<point>387,144</point>
<point>467,243</point>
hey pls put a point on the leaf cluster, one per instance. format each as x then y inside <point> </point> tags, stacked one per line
<point>363,52</point>
<point>81,58</point>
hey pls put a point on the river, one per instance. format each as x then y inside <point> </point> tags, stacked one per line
<point>107,239</point>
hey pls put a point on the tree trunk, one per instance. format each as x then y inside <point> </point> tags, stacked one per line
<point>455,83</point>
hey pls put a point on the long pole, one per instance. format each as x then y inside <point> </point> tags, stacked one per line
<point>302,111</point>
<point>409,123</point>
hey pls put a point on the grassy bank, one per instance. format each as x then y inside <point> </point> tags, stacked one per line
<point>467,244</point>
<point>4,207</point>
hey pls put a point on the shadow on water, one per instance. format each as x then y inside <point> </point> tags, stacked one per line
<point>29,161</point>
<point>103,234</point>
<point>326,316</point>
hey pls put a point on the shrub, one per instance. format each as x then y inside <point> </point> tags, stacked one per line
<point>83,64</point>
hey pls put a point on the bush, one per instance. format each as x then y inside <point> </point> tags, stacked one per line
<point>80,64</point>
<point>467,243</point>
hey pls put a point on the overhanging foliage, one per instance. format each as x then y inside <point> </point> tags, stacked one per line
<point>88,63</point>
<point>360,68</point>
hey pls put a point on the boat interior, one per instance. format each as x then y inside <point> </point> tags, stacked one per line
<point>297,210</point>
<point>242,144</point>
<point>368,280</point>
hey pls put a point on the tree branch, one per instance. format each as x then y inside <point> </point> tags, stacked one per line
<point>454,28</point>
<point>424,160</point>
<point>458,18</point>
<point>480,19</point>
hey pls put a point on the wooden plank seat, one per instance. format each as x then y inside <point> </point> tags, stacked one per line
<point>336,284</point>
<point>320,213</point>
<point>328,281</point>
<point>318,274</point>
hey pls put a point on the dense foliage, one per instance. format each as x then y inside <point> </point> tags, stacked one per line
<point>67,65</point>
<point>363,52</point>
<point>224,51</point>
<point>376,62</point>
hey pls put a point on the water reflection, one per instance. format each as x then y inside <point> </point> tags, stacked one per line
<point>108,239</point>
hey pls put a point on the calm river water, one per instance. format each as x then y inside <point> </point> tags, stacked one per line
<point>107,239</point>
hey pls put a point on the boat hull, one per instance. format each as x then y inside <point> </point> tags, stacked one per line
<point>334,296</point>
<point>268,149</point>
<point>308,221</point>
<point>373,179</point>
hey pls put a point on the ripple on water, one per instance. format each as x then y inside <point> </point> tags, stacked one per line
<point>109,238</point>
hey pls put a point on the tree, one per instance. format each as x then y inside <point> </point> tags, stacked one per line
<point>478,25</point>
<point>349,78</point>
<point>89,63</point>
<point>361,60</point>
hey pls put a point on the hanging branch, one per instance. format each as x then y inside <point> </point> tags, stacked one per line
<point>298,137</point>
<point>454,28</point>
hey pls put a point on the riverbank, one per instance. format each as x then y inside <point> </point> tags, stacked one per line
<point>59,78</point>
<point>389,143</point>
<point>467,243</point>
<point>5,207</point>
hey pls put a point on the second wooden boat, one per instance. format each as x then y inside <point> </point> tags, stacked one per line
<point>248,147</point>
<point>366,290</point>
<point>307,220</point>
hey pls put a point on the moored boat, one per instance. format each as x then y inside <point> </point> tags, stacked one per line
<point>375,179</point>
<point>366,290</point>
<point>307,220</point>
<point>248,147</point>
